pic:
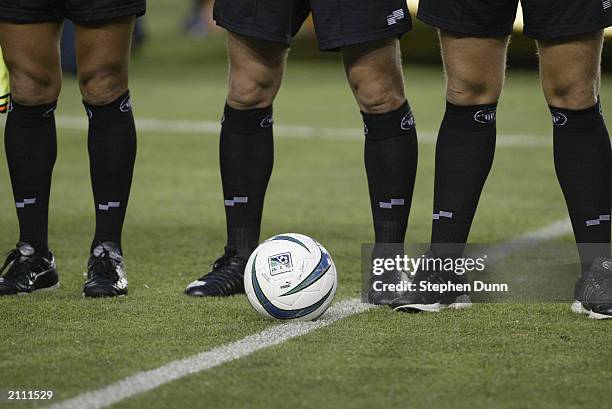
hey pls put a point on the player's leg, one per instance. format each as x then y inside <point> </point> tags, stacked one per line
<point>474,55</point>
<point>103,52</point>
<point>466,140</point>
<point>374,72</point>
<point>246,148</point>
<point>246,153</point>
<point>570,71</point>
<point>31,52</point>
<point>570,39</point>
<point>367,33</point>
<point>464,151</point>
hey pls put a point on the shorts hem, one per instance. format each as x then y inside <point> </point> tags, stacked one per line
<point>570,30</point>
<point>251,32</point>
<point>18,16</point>
<point>463,28</point>
<point>337,44</point>
<point>92,16</point>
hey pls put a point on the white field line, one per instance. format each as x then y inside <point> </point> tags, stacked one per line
<point>148,380</point>
<point>285,131</point>
<point>552,231</point>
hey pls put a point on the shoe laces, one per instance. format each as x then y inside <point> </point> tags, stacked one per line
<point>225,267</point>
<point>425,275</point>
<point>603,282</point>
<point>17,263</point>
<point>103,265</point>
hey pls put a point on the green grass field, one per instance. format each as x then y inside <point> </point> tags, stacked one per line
<point>511,356</point>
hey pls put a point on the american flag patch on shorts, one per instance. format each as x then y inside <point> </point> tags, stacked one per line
<point>398,15</point>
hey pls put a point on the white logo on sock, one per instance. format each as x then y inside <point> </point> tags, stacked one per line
<point>558,119</point>
<point>267,122</point>
<point>126,104</point>
<point>407,121</point>
<point>486,116</point>
<point>49,111</point>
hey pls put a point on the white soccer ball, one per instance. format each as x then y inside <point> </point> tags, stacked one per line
<point>290,276</point>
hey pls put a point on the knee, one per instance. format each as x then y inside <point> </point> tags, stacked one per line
<point>378,95</point>
<point>34,86</point>
<point>571,94</point>
<point>473,91</point>
<point>103,85</point>
<point>250,90</point>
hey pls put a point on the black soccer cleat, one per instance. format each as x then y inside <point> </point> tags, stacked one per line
<point>593,291</point>
<point>429,300</point>
<point>376,295</point>
<point>383,297</point>
<point>225,279</point>
<point>105,274</point>
<point>27,271</point>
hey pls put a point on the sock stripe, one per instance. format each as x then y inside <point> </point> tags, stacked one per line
<point>437,216</point>
<point>25,202</point>
<point>236,200</point>
<point>109,205</point>
<point>597,222</point>
<point>391,203</point>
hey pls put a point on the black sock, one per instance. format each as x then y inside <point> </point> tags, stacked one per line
<point>464,156</point>
<point>112,153</point>
<point>247,156</point>
<point>31,149</point>
<point>391,155</point>
<point>582,161</point>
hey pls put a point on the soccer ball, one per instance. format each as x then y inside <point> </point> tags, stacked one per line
<point>289,277</point>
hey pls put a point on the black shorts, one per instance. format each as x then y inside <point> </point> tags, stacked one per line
<point>338,23</point>
<point>30,11</point>
<point>544,19</point>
